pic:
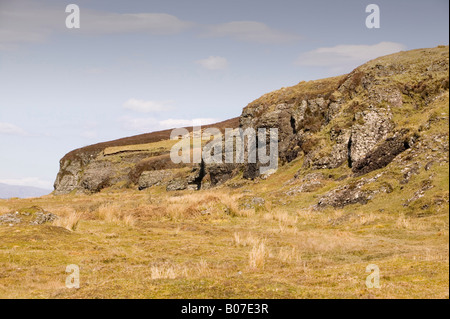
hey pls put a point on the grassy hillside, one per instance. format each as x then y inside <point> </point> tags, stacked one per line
<point>219,244</point>
<point>307,231</point>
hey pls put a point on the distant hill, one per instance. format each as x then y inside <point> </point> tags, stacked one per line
<point>8,191</point>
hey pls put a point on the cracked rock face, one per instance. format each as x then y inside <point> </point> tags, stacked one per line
<point>177,184</point>
<point>151,178</point>
<point>375,126</point>
<point>68,177</point>
<point>381,155</point>
<point>97,176</point>
<point>294,121</point>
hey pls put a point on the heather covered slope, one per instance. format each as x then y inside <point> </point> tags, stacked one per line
<point>147,138</point>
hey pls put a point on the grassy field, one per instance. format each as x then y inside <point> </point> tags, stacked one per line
<point>217,244</point>
<point>265,238</point>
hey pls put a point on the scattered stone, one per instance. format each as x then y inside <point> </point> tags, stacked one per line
<point>352,193</point>
<point>10,218</point>
<point>28,216</point>
<point>426,185</point>
<point>408,172</point>
<point>42,218</point>
<point>307,187</point>
<point>252,202</point>
<point>428,165</point>
<point>310,183</point>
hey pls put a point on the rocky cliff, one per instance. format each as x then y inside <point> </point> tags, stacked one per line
<point>390,111</point>
<point>134,162</point>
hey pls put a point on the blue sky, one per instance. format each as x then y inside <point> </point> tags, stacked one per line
<point>141,66</point>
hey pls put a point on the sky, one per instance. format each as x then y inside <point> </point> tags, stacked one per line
<point>141,66</point>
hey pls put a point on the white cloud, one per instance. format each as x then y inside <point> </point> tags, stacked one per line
<point>251,31</point>
<point>11,129</point>
<point>29,22</point>
<point>213,63</point>
<point>153,23</point>
<point>147,106</point>
<point>29,181</point>
<point>342,56</point>
<point>147,125</point>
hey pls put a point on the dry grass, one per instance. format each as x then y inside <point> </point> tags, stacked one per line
<point>408,223</point>
<point>203,269</point>
<point>68,221</point>
<point>164,272</point>
<point>319,242</point>
<point>4,209</point>
<point>245,240</point>
<point>257,256</point>
<point>403,222</point>
<point>204,244</point>
<point>115,213</point>
<point>289,255</point>
<point>368,219</point>
<point>200,269</point>
<point>129,220</point>
<point>170,247</point>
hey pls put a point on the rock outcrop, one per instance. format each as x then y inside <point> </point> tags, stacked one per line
<point>363,120</point>
<point>28,216</point>
<point>351,119</point>
<point>140,162</point>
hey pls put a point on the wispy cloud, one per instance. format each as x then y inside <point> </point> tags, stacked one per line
<point>213,63</point>
<point>153,23</point>
<point>143,106</point>
<point>146,125</point>
<point>28,22</point>
<point>251,31</point>
<point>344,56</point>
<point>11,129</point>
